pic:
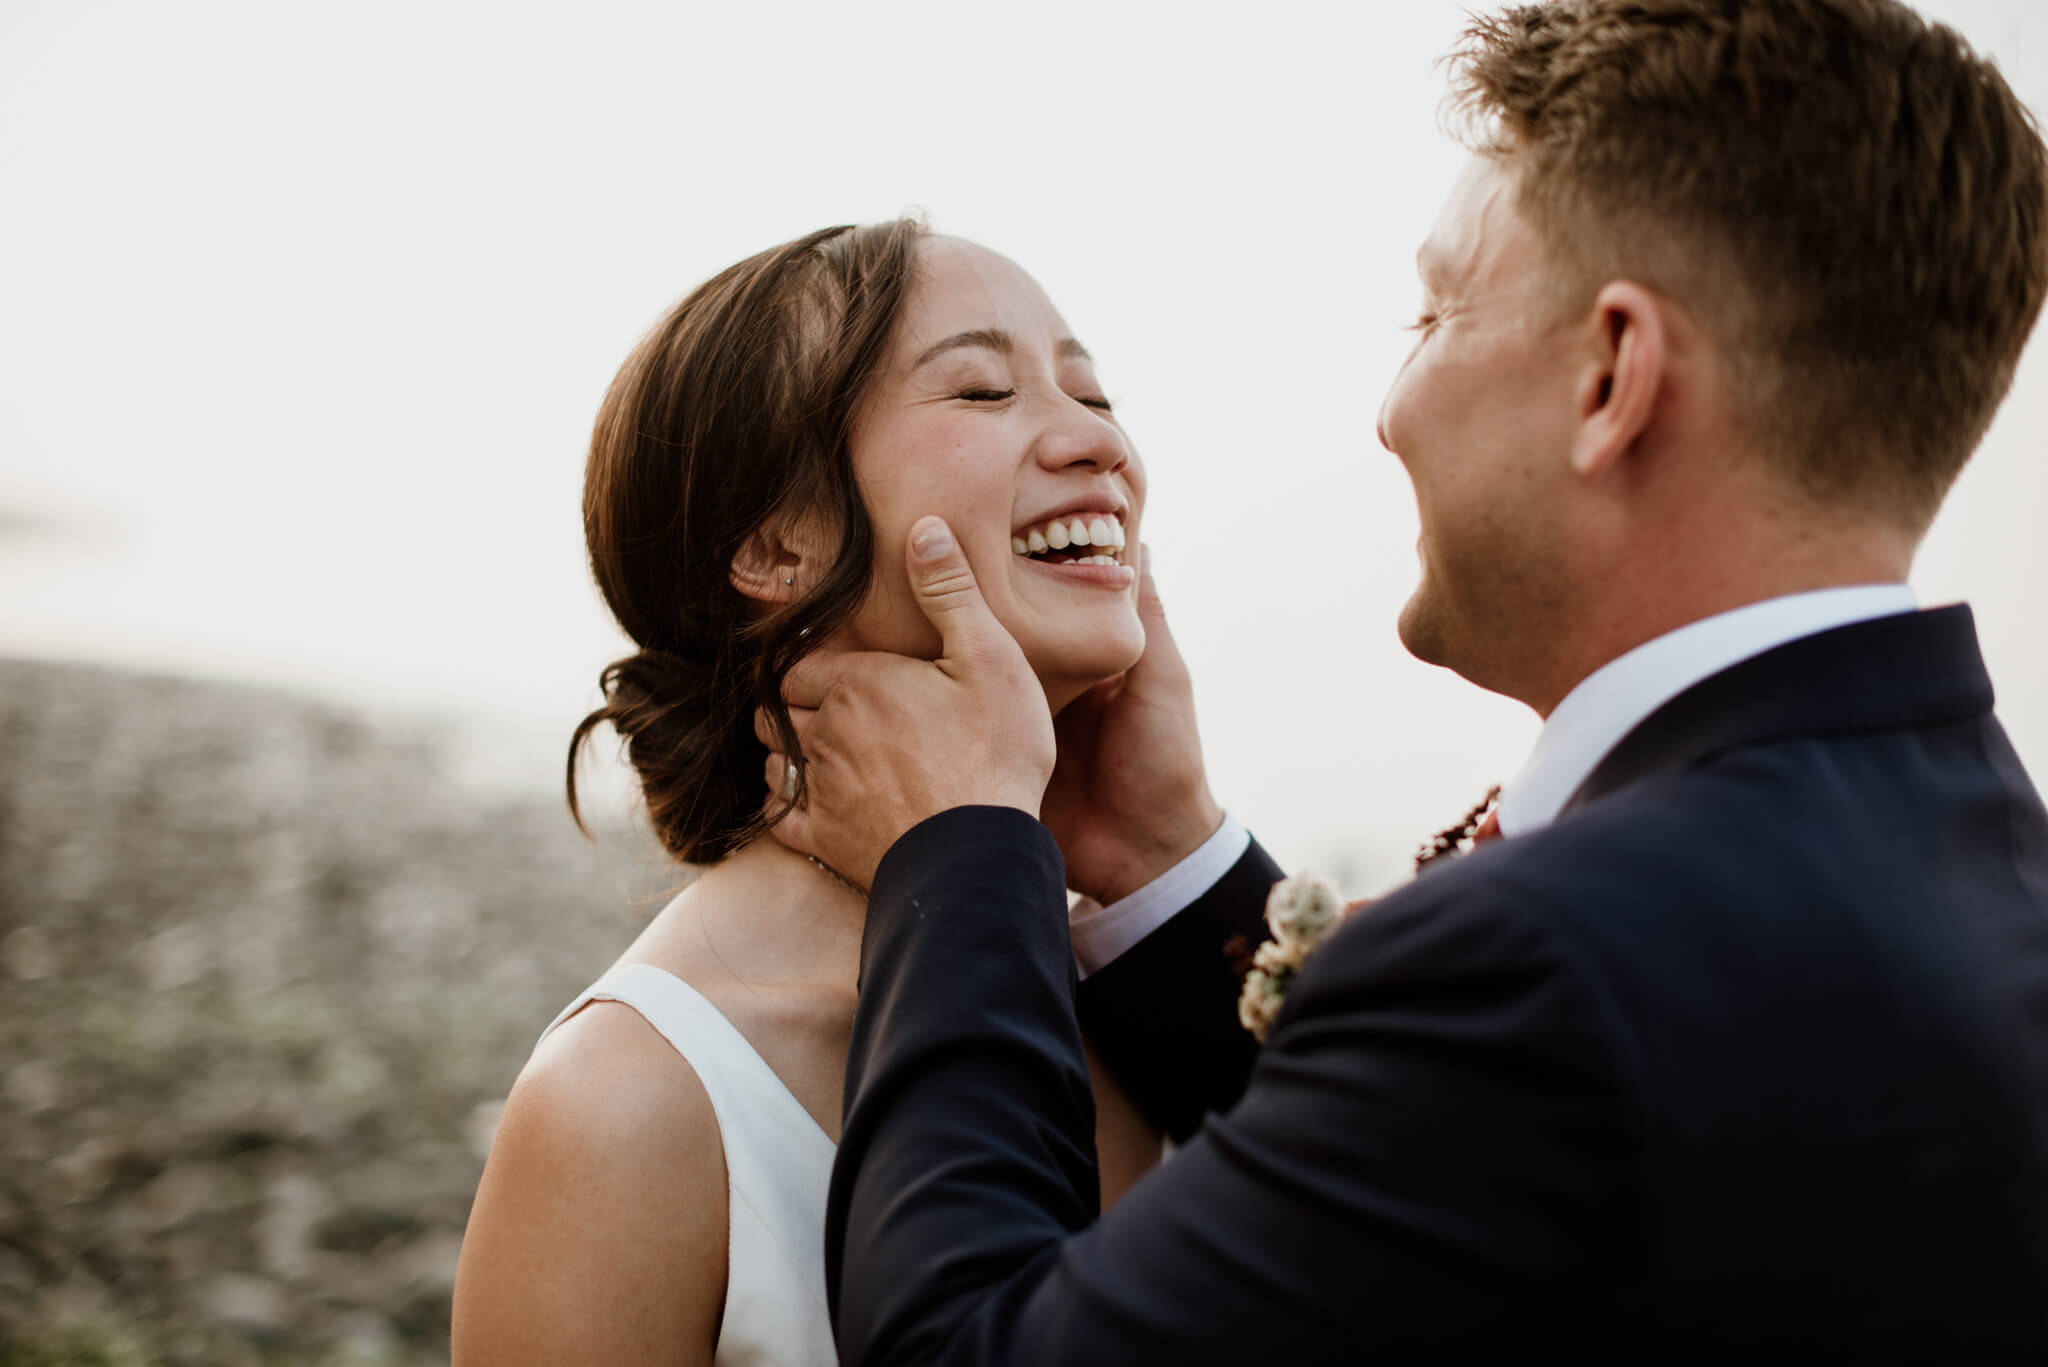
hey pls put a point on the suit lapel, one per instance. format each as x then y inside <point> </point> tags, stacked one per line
<point>1889,673</point>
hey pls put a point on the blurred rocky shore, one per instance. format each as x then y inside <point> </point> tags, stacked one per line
<point>267,968</point>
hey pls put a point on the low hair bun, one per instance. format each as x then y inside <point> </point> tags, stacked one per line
<point>652,689</point>
<point>672,714</point>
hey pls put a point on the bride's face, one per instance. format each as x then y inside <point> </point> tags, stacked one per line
<point>988,413</point>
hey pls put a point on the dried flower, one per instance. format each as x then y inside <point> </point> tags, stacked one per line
<point>1301,912</point>
<point>1458,838</point>
<point>1303,909</point>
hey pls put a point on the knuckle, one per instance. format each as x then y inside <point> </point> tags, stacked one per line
<point>950,581</point>
<point>821,752</point>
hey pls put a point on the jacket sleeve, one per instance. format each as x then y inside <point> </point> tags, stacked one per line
<point>1163,1014</point>
<point>1425,1153</point>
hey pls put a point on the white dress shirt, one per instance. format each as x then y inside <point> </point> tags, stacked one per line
<point>1101,933</point>
<point>1620,695</point>
<point>1608,704</point>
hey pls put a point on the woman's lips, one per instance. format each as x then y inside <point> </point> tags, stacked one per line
<point>1084,575</point>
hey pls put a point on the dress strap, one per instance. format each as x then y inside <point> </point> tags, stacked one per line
<point>777,1159</point>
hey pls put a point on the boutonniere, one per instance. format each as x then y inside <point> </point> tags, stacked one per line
<point>1472,829</point>
<point>1301,912</point>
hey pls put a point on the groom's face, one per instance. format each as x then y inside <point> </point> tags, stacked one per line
<point>1481,415</point>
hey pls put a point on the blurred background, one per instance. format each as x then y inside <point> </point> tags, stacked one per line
<point>304,314</point>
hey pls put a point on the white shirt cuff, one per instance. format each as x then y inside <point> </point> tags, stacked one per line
<point>1101,933</point>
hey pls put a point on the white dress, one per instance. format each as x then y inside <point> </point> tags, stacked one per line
<point>777,1163</point>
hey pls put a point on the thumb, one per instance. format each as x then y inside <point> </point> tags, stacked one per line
<point>946,589</point>
<point>1162,658</point>
<point>1150,608</point>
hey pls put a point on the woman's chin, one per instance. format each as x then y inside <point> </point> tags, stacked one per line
<point>1071,671</point>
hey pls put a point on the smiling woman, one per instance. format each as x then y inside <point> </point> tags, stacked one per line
<point>792,414</point>
<point>990,413</point>
<point>656,1189</point>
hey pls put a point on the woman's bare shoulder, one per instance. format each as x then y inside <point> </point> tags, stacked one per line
<point>599,1229</point>
<point>607,1073</point>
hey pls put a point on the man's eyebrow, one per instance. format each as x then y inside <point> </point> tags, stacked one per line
<point>1067,347</point>
<point>995,339</point>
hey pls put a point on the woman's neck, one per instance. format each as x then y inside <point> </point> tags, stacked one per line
<point>771,915</point>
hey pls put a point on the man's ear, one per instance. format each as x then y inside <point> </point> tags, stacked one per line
<point>1617,395</point>
<point>781,560</point>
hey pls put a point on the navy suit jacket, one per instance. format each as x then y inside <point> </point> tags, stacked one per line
<point>1747,1053</point>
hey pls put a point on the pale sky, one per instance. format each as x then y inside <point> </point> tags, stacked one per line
<point>305,312</point>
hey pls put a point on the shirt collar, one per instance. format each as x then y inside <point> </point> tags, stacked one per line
<point>1612,700</point>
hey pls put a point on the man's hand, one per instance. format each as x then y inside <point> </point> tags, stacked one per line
<point>889,740</point>
<point>1129,798</point>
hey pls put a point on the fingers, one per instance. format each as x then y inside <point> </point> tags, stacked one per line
<point>946,589</point>
<point>787,822</point>
<point>780,775</point>
<point>812,677</point>
<point>791,826</point>
<point>764,725</point>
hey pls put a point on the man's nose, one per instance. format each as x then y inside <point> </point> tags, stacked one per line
<point>1389,421</point>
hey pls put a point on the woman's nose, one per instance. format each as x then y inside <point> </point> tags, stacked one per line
<point>1079,436</point>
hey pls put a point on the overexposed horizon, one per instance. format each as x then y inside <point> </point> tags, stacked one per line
<point>306,312</point>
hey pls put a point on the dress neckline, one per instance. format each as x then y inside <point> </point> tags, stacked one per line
<point>741,1048</point>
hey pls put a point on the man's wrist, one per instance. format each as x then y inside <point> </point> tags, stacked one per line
<point>1102,933</point>
<point>1165,849</point>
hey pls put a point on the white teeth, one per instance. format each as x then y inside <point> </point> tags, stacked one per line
<point>1057,535</point>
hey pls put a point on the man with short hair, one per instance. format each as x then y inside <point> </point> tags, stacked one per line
<point>1738,1040</point>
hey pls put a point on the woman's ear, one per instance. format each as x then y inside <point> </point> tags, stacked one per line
<point>1617,395</point>
<point>780,560</point>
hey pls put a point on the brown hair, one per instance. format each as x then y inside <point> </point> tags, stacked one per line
<point>1853,202</point>
<point>737,408</point>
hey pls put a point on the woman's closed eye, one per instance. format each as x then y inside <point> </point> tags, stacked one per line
<point>982,394</point>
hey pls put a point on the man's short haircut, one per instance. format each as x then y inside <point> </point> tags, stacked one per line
<point>1850,200</point>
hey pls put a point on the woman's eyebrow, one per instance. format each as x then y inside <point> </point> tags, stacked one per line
<point>996,340</point>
